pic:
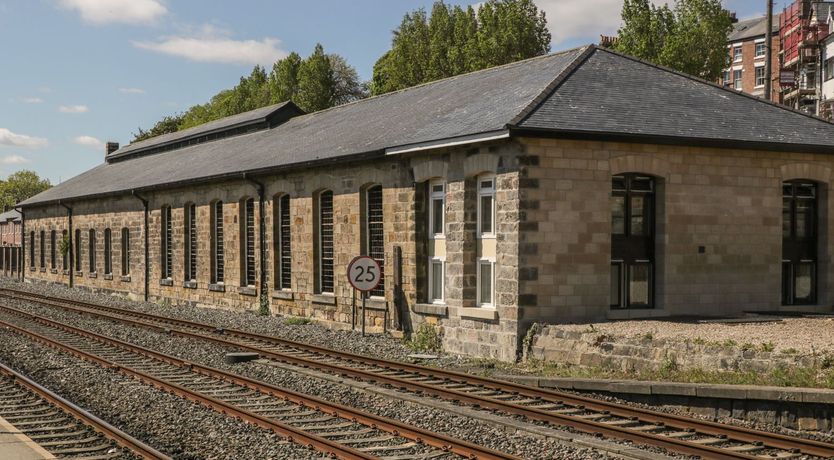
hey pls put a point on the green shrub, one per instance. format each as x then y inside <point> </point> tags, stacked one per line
<point>768,346</point>
<point>425,339</point>
<point>297,321</point>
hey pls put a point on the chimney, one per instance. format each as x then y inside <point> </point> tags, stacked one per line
<point>111,147</point>
<point>733,17</point>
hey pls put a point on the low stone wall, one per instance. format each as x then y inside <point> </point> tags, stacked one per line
<point>592,348</point>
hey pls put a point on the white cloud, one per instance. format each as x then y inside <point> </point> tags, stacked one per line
<point>32,100</point>
<point>89,141</point>
<point>10,139</point>
<point>73,109</point>
<point>211,44</point>
<point>132,90</point>
<point>13,160</point>
<point>582,19</point>
<point>120,11</point>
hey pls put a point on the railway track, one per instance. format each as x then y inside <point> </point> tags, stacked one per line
<point>675,433</point>
<point>337,430</point>
<point>62,428</point>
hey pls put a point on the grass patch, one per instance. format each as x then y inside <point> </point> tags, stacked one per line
<point>425,339</point>
<point>297,321</point>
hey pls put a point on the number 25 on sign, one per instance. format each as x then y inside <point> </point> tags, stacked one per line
<point>364,273</point>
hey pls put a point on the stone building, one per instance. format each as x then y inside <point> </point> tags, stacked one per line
<point>581,185</point>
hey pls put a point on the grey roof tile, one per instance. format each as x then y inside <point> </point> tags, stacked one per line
<point>746,29</point>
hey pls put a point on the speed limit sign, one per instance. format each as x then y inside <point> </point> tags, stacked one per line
<point>364,273</point>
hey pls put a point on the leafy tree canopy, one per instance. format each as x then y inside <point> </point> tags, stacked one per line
<point>691,37</point>
<point>453,40</point>
<point>20,186</point>
<point>315,83</point>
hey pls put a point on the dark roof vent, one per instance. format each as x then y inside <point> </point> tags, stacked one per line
<point>110,147</point>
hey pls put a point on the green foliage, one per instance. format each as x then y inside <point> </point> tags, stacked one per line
<point>318,82</point>
<point>691,37</point>
<point>263,305</point>
<point>425,339</point>
<point>768,346</point>
<point>453,40</point>
<point>20,186</point>
<point>64,245</point>
<point>297,321</point>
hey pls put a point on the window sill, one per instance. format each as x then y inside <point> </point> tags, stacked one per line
<point>43,270</point>
<point>430,309</point>
<point>282,294</point>
<point>217,287</point>
<point>92,275</point>
<point>325,299</point>
<point>376,304</point>
<point>489,314</point>
<point>108,276</point>
<point>31,269</point>
<point>125,278</point>
<point>190,284</point>
<point>166,282</point>
<point>65,272</point>
<point>247,291</point>
<point>79,274</point>
<point>54,271</point>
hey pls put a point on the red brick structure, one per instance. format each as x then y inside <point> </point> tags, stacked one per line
<point>747,51</point>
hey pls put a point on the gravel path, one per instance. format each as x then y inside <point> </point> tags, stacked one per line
<point>198,351</point>
<point>805,335</point>
<point>176,427</point>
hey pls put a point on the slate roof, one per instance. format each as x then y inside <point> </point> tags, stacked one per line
<point>747,29</point>
<point>587,91</point>
<point>10,215</point>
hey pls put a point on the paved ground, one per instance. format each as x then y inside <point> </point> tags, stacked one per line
<point>805,335</point>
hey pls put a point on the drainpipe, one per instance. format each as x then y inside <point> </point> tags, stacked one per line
<point>147,253</point>
<point>261,236</point>
<point>71,249</point>
<point>22,256</point>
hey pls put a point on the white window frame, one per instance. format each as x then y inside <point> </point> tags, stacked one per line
<point>442,299</point>
<point>738,81</point>
<point>756,78</point>
<point>756,49</point>
<point>489,193</point>
<point>491,262</point>
<point>432,197</point>
<point>738,56</point>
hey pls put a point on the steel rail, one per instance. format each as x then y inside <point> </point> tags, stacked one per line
<point>397,428</point>
<point>107,430</point>
<point>740,434</point>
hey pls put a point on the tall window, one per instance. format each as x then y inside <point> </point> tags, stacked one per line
<point>108,253</point>
<point>436,277</point>
<point>737,54</point>
<point>324,242</point>
<point>760,49</point>
<point>125,251</point>
<point>375,234</point>
<point>799,243</point>
<point>42,249</point>
<point>737,82</point>
<point>632,241</point>
<point>486,231</point>
<point>65,254</point>
<point>92,249</point>
<point>52,259</point>
<point>218,267</point>
<point>166,246</point>
<point>31,249</point>
<point>282,247</point>
<point>760,76</point>
<point>437,208</point>
<point>247,219</point>
<point>486,206</point>
<point>77,244</point>
<point>191,242</point>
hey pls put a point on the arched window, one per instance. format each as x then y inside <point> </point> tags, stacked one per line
<point>32,249</point>
<point>52,249</point>
<point>42,250</point>
<point>632,241</point>
<point>125,251</point>
<point>108,256</point>
<point>324,242</point>
<point>374,233</point>
<point>190,242</point>
<point>283,245</point>
<point>799,242</point>
<point>247,242</point>
<point>218,269</point>
<point>166,243</point>
<point>92,249</point>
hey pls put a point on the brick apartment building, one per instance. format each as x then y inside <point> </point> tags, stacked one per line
<point>747,50</point>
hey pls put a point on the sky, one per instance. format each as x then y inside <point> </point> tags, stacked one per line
<point>78,73</point>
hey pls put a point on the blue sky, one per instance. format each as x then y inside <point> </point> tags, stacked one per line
<point>77,73</point>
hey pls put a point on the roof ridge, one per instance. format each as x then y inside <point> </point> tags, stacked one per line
<point>713,84</point>
<point>428,83</point>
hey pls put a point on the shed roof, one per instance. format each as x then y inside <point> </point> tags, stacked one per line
<point>583,91</point>
<point>9,216</point>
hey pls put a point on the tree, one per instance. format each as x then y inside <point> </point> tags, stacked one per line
<point>168,124</point>
<point>283,81</point>
<point>452,41</point>
<point>20,186</point>
<point>347,86</point>
<point>691,37</point>
<point>316,84</point>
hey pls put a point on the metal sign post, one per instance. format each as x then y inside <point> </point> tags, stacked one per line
<point>364,274</point>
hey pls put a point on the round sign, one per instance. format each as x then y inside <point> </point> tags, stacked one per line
<point>364,273</point>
